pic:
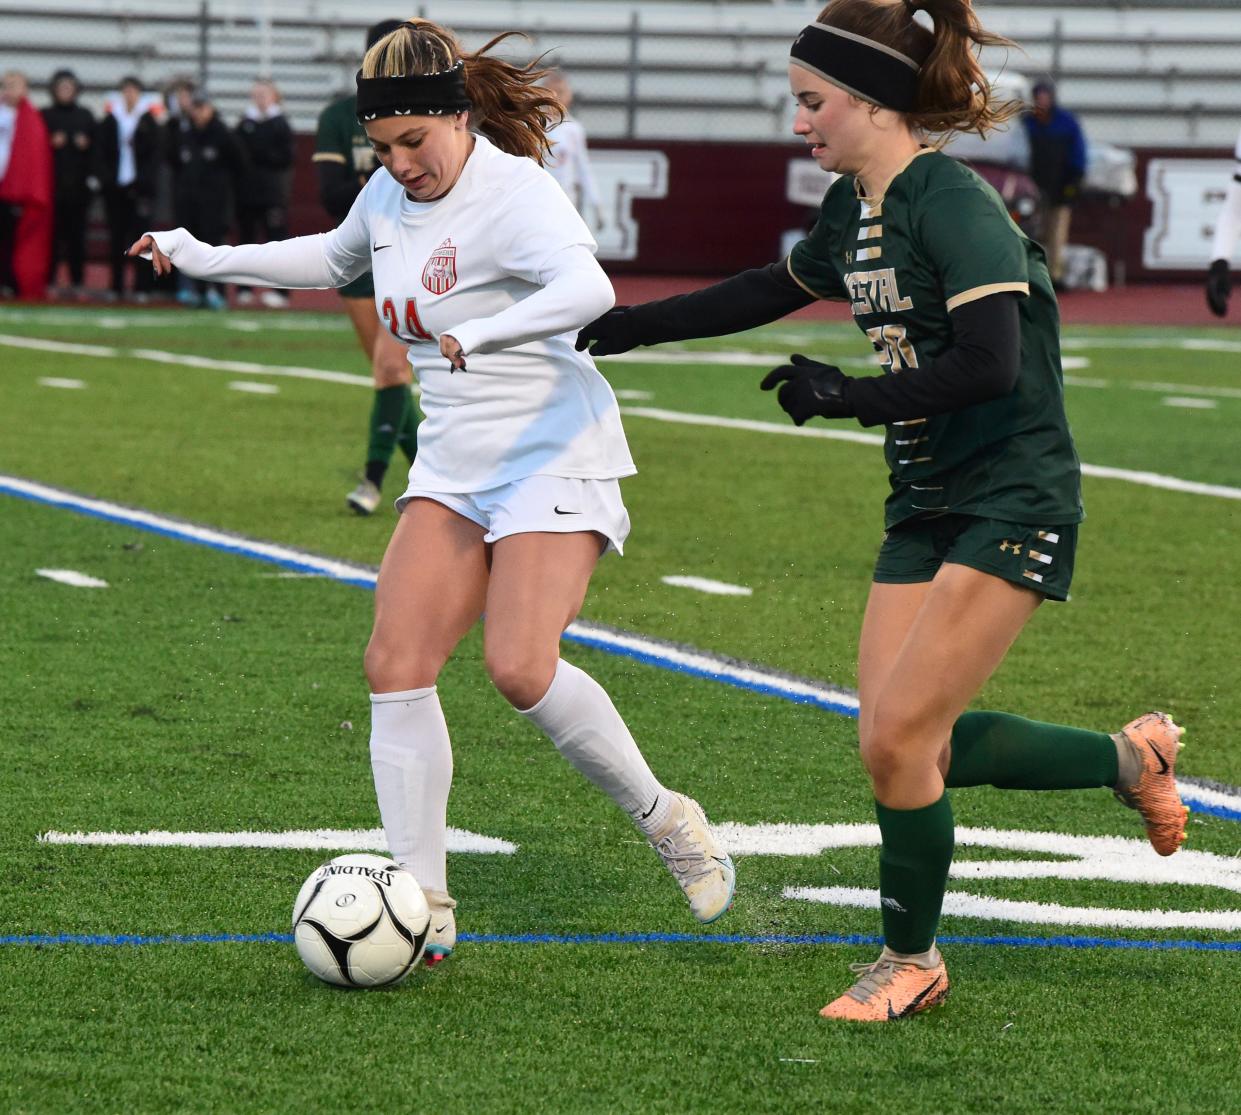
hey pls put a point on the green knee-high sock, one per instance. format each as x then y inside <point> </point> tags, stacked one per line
<point>997,749</point>
<point>387,418</point>
<point>913,872</point>
<point>407,436</point>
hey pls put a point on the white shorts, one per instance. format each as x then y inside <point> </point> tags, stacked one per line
<point>552,504</point>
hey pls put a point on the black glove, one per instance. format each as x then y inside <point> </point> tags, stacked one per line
<point>1219,286</point>
<point>609,334</point>
<point>810,390</point>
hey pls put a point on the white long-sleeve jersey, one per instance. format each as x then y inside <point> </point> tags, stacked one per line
<point>505,265</point>
<point>570,164</point>
<point>1228,227</point>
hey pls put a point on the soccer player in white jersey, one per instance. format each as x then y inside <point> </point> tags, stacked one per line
<point>485,271</point>
<point>570,162</point>
<point>1227,229</point>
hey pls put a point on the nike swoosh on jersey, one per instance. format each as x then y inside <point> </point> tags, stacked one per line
<point>559,512</point>
<point>379,247</point>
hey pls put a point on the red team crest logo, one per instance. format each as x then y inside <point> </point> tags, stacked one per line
<point>440,273</point>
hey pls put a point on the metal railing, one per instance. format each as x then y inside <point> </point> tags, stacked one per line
<point>635,74</point>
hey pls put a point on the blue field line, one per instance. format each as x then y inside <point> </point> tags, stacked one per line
<point>1063,941</point>
<point>652,658</point>
<point>668,657</point>
<point>169,528</point>
<point>116,940</point>
<point>1197,806</point>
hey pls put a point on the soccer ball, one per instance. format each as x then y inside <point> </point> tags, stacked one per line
<point>360,921</point>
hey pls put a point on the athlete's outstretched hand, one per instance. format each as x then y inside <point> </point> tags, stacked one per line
<point>1219,286</point>
<point>810,389</point>
<point>147,247</point>
<point>609,334</point>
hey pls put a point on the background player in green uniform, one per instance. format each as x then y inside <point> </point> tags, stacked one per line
<point>345,161</point>
<point>982,517</point>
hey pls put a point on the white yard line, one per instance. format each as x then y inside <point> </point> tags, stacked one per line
<point>66,384</point>
<point>188,360</point>
<point>1188,389</point>
<point>331,840</point>
<point>730,359</point>
<point>705,584</point>
<point>1086,381</point>
<point>1131,476</point>
<point>1103,472</point>
<point>963,905</point>
<point>753,425</point>
<point>72,577</point>
<point>67,347</point>
<point>176,319</point>
<point>254,388</point>
<point>1189,403</point>
<point>1185,344</point>
<point>249,367</point>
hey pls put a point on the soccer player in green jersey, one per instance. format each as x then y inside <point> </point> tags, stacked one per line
<point>345,160</point>
<point>985,503</point>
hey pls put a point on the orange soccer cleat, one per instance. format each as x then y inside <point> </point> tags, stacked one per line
<point>1156,739</point>
<point>888,990</point>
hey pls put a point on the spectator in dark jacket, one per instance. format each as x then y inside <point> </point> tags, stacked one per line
<point>1057,165</point>
<point>209,165</point>
<point>128,150</point>
<point>71,129</point>
<point>263,200</point>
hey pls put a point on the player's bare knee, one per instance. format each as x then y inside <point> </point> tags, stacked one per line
<point>522,679</point>
<point>894,738</point>
<point>393,669</point>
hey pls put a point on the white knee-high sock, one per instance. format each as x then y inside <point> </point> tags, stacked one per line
<point>581,720</point>
<point>411,759</point>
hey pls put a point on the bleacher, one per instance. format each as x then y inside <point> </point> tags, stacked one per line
<point>1138,72</point>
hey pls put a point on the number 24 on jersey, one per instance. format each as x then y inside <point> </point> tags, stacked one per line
<point>413,328</point>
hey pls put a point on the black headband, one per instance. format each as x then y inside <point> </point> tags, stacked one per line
<point>441,94</point>
<point>858,65</point>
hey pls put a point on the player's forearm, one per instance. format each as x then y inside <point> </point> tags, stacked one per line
<point>577,292</point>
<point>1228,226</point>
<point>744,301</point>
<point>983,364</point>
<point>301,262</point>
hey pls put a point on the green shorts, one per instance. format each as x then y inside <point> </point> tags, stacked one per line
<point>1040,558</point>
<point>361,287</point>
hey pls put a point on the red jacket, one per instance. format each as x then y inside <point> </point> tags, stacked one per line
<point>28,184</point>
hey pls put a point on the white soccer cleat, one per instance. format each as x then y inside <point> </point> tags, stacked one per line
<point>364,498</point>
<point>442,933</point>
<point>702,869</point>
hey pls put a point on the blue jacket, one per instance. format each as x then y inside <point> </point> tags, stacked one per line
<point>1057,154</point>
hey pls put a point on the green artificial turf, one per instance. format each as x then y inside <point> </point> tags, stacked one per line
<point>202,692</point>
